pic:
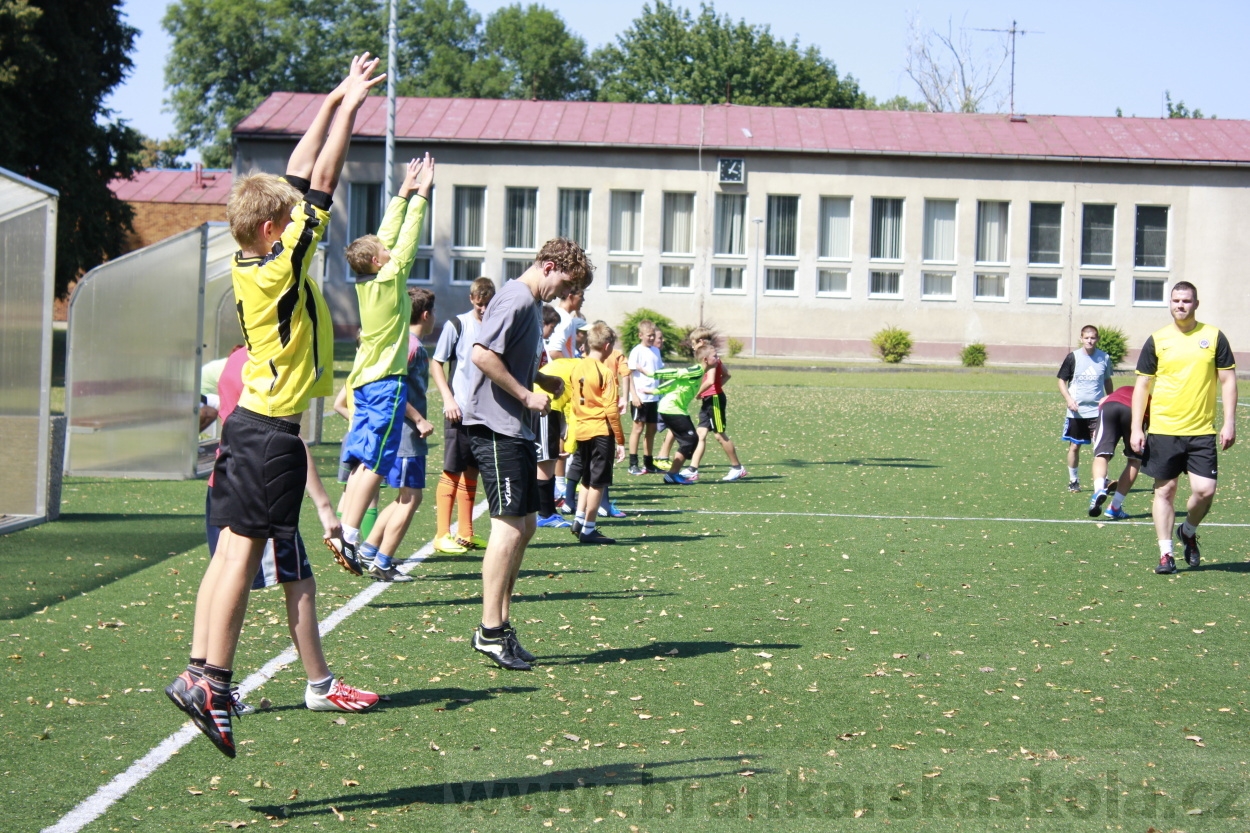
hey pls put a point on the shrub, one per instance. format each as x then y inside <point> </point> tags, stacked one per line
<point>892,343</point>
<point>1113,342</point>
<point>735,347</point>
<point>973,355</point>
<point>627,333</point>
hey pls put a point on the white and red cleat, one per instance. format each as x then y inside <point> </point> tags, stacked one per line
<point>340,698</point>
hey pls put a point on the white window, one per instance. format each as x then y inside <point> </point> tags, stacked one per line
<point>885,284</point>
<point>886,241</point>
<point>937,286</point>
<point>1151,249</point>
<point>782,233</point>
<point>1096,290</point>
<point>833,283</point>
<point>992,217</point>
<point>1044,288</point>
<point>727,279</point>
<point>521,218</point>
<point>420,271</point>
<point>625,234</point>
<point>780,281</point>
<point>623,276</point>
<point>676,277</point>
<point>989,287</point>
<point>468,224</point>
<point>939,231</point>
<point>513,269</point>
<point>678,232</point>
<point>835,228</point>
<point>466,269</point>
<point>1045,232</point>
<point>1148,291</point>
<point>1097,236</point>
<point>731,224</point>
<point>574,221</point>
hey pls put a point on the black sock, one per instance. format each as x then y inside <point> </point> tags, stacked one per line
<point>195,666</point>
<point>633,461</point>
<point>218,675</point>
<point>648,462</point>
<point>546,498</point>
<point>491,633</point>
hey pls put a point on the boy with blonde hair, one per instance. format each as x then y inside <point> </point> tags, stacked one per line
<point>262,465</point>
<point>596,425</point>
<point>381,264</point>
<point>643,362</point>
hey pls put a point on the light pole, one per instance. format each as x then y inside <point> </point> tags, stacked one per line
<point>391,77</point>
<point>755,290</point>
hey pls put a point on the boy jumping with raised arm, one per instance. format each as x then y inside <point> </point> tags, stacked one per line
<point>381,264</point>
<point>262,465</point>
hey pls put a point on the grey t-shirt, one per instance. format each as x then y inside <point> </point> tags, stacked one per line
<point>461,347</point>
<point>512,327</point>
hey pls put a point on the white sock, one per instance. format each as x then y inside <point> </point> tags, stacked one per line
<point>580,517</point>
<point>1165,547</point>
<point>351,534</point>
<point>1117,500</point>
<point>1189,530</point>
<point>322,686</point>
<point>1074,473</point>
<point>1100,484</point>
<point>562,484</point>
<point>588,527</point>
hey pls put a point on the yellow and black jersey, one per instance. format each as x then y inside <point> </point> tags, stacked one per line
<point>285,320</point>
<point>1184,367</point>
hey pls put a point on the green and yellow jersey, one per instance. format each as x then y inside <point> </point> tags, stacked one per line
<point>1184,367</point>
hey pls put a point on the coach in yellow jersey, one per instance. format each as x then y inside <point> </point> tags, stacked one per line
<point>1181,364</point>
<point>262,466</point>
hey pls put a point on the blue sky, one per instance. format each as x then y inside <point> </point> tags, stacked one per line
<point>1081,58</point>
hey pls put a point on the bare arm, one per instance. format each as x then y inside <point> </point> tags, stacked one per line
<point>709,379</point>
<point>1141,395</point>
<point>329,165</point>
<point>493,368</point>
<point>424,428</point>
<point>1228,392</point>
<point>451,409</point>
<point>304,157</point>
<point>1067,397</point>
<point>340,404</point>
<point>325,510</point>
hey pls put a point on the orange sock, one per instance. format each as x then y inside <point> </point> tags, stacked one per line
<point>465,498</point>
<point>448,485</point>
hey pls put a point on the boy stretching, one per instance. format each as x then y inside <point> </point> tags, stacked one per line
<point>596,425</point>
<point>381,264</point>
<point>407,474</point>
<point>712,408</point>
<point>262,465</point>
<point>678,387</point>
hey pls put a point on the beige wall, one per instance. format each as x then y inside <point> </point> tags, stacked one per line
<point>1207,236</point>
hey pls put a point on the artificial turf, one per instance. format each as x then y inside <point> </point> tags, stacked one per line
<point>785,650</point>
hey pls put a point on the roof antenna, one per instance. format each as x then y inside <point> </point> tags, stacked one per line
<point>1013,31</point>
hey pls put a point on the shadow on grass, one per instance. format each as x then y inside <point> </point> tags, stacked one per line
<point>478,575</point>
<point>663,650</point>
<point>535,597</point>
<point>876,462</point>
<point>561,784</point>
<point>104,547</point>
<point>1229,567</point>
<point>450,698</point>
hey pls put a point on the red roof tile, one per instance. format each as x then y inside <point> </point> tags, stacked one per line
<point>735,128</point>
<point>165,185</point>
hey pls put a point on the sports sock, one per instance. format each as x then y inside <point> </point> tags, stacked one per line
<point>648,462</point>
<point>562,483</point>
<point>1117,500</point>
<point>321,687</point>
<point>1100,484</point>
<point>382,561</point>
<point>351,535</point>
<point>1073,474</point>
<point>633,461</point>
<point>694,469</point>
<point>444,500</point>
<point>1188,530</point>
<point>491,633</point>
<point>368,552</point>
<point>221,676</point>
<point>588,527</point>
<point>465,497</point>
<point>195,667</point>
<point>1165,547</point>
<point>367,522</point>
<point>546,498</point>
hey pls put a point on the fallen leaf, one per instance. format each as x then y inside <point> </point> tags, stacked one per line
<point>334,810</point>
<point>195,792</point>
<point>764,654</point>
<point>340,721</point>
<point>571,737</point>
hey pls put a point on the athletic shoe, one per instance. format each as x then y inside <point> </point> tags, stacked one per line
<point>611,511</point>
<point>736,473</point>
<point>690,474</point>
<point>652,470</point>
<point>1096,502</point>
<point>563,507</point>
<point>449,546</point>
<point>517,648</point>
<point>387,574</point>
<point>1074,486</point>
<point>346,557</point>
<point>677,480</point>
<point>177,690</point>
<point>636,470</point>
<point>576,528</point>
<point>554,522</point>
<point>477,542</point>
<point>211,710</point>
<point>595,537</point>
<point>500,651</point>
<point>241,708</point>
<point>1115,514</point>
<point>1192,557</point>
<point>340,698</point>
<point>662,461</point>
<point>1167,565</point>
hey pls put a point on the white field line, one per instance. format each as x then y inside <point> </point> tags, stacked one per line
<point>107,795</point>
<point>1100,521</point>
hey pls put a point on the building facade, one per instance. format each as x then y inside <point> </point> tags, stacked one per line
<point>803,232</point>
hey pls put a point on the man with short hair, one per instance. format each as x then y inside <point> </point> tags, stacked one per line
<point>1181,364</point>
<point>1084,379</point>
<point>497,415</point>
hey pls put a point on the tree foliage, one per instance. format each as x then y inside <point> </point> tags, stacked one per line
<point>60,59</point>
<point>540,57</point>
<point>669,56</point>
<point>1179,110</point>
<point>952,76</point>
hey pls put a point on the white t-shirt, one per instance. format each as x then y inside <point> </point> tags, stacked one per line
<point>563,341</point>
<point>644,361</point>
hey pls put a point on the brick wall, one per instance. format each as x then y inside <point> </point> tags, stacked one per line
<point>154,221</point>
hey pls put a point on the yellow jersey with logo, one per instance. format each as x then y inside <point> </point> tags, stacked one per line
<point>1184,367</point>
<point>285,320</point>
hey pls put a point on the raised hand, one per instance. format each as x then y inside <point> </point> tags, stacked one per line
<point>360,79</point>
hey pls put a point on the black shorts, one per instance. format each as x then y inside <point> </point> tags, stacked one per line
<point>684,434</point>
<point>457,455</point>
<point>281,562</point>
<point>1165,456</point>
<point>509,471</point>
<point>259,476</point>
<point>1080,430</point>
<point>596,456</point>
<point>1115,424</point>
<point>712,413</point>
<point>646,412</point>
<point>548,434</point>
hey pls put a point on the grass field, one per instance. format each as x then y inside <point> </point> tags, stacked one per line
<point>901,617</point>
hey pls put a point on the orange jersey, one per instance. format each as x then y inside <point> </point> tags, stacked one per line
<point>594,400</point>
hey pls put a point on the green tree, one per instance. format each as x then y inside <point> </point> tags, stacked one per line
<point>669,56</point>
<point>1179,110</point>
<point>898,102</point>
<point>540,56</point>
<point>61,59</point>
<point>160,153</point>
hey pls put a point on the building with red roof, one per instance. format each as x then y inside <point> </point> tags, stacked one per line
<point>803,231</point>
<point>168,201</point>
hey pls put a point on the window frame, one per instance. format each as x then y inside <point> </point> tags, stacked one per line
<point>1059,256</point>
<point>886,296</point>
<point>1006,243</point>
<point>991,299</point>
<point>351,203</point>
<point>951,273</point>
<point>924,243</point>
<point>560,226</point>
<point>485,216</point>
<point>507,217</point>
<point>792,292</point>
<point>1109,279</point>
<point>845,293</point>
<point>639,220</point>
<point>689,269</point>
<point>902,236</point>
<point>1030,298</point>
<point>665,219</point>
<point>1167,239</point>
<point>798,217</point>
<point>1115,210</point>
<point>741,289</point>
<point>481,261</point>
<point>716,221</point>
<point>821,230</point>
<point>1151,278</point>
<point>636,286</point>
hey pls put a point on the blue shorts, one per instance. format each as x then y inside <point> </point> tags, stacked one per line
<point>407,473</point>
<point>285,560</point>
<point>377,423</point>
